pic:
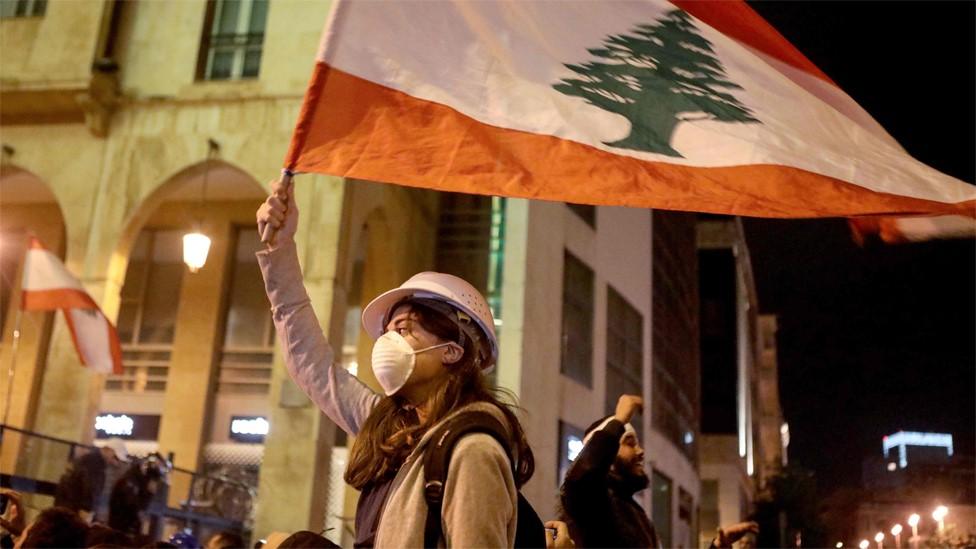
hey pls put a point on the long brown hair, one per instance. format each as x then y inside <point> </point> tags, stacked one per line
<point>393,428</point>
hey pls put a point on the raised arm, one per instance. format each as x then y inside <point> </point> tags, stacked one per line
<point>308,356</point>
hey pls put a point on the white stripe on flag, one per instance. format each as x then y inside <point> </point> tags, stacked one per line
<point>93,339</point>
<point>44,271</point>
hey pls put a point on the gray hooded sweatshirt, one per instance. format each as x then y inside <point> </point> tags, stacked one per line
<point>479,495</point>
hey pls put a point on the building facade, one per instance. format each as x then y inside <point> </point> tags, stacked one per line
<point>128,124</point>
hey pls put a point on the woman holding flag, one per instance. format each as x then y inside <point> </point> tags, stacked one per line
<point>435,340</point>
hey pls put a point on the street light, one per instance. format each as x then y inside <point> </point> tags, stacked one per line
<point>839,544</point>
<point>913,522</point>
<point>879,537</point>
<point>864,544</point>
<point>196,245</point>
<point>939,515</point>
<point>896,531</point>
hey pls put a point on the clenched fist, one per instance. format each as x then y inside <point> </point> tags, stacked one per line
<point>627,406</point>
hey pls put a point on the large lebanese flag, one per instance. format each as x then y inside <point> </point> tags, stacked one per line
<point>698,106</point>
<point>48,285</point>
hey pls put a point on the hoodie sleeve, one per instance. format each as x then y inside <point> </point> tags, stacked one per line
<point>479,496</point>
<point>308,356</point>
<point>586,481</point>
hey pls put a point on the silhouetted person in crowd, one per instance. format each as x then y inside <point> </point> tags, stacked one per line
<point>133,493</point>
<point>100,535</point>
<point>81,486</point>
<point>226,539</point>
<point>303,539</point>
<point>57,527</point>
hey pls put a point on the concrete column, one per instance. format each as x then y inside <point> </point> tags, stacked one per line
<point>190,381</point>
<point>293,485</point>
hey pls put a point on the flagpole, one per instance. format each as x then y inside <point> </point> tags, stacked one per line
<point>13,363</point>
<point>15,344</point>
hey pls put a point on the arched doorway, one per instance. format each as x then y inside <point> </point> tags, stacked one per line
<point>197,346</point>
<point>29,208</point>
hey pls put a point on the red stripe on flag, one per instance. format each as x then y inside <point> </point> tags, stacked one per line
<point>737,20</point>
<point>309,105</point>
<point>62,298</point>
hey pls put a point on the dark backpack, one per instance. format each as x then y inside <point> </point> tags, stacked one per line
<point>529,531</point>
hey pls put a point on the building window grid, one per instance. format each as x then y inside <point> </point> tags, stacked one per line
<point>675,383</point>
<point>577,321</point>
<point>585,212</point>
<point>246,366</point>
<point>22,8</point>
<point>235,41</point>
<point>625,351</point>
<point>145,363</point>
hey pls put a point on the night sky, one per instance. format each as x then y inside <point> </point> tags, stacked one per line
<point>878,339</point>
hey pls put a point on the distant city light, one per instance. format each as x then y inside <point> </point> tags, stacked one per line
<point>573,446</point>
<point>114,425</point>
<point>913,520</point>
<point>689,437</point>
<point>902,439</point>
<point>864,544</point>
<point>839,544</point>
<point>892,466</point>
<point>896,529</point>
<point>249,426</point>
<point>879,537</point>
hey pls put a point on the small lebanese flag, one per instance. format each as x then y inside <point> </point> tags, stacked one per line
<point>696,106</point>
<point>48,286</point>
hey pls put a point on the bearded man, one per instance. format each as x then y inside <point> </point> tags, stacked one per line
<point>598,494</point>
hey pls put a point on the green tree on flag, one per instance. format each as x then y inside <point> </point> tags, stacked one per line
<point>657,77</point>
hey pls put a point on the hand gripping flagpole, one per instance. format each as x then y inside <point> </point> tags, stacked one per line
<point>269,233</point>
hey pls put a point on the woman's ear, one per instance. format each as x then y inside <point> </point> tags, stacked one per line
<point>452,353</point>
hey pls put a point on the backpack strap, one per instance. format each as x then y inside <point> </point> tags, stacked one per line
<point>437,459</point>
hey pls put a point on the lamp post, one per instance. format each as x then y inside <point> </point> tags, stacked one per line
<point>939,515</point>
<point>196,245</point>
<point>896,531</point>
<point>913,522</point>
<point>879,537</point>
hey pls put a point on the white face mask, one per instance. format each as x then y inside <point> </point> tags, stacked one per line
<point>394,359</point>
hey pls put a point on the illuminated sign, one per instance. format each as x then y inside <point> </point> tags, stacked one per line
<point>248,428</point>
<point>903,439</point>
<point>120,425</point>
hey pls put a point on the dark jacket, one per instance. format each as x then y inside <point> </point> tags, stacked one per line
<point>596,505</point>
<point>130,497</point>
<point>81,485</point>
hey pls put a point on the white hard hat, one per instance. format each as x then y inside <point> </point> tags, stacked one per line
<point>450,289</point>
<point>117,445</point>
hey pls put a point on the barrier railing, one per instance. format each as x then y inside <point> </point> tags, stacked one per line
<point>32,463</point>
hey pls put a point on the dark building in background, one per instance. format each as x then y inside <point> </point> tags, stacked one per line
<point>744,437</point>
<point>675,386</point>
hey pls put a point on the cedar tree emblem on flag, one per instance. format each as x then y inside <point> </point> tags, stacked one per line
<point>658,77</point>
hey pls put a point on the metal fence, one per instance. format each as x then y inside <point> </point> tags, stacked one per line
<point>202,504</point>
